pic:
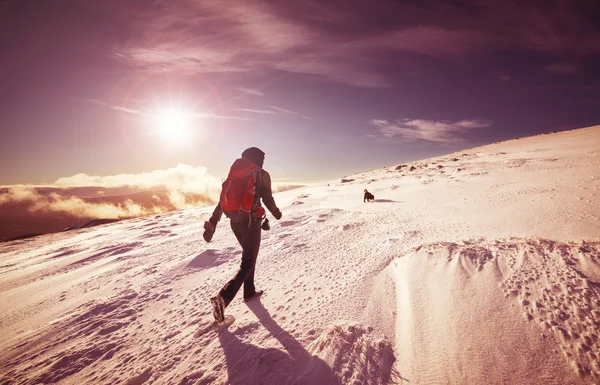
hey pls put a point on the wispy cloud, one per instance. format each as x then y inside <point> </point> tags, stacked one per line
<point>254,111</point>
<point>258,35</point>
<point>442,132</point>
<point>272,110</point>
<point>503,76</point>
<point>283,110</point>
<point>250,91</point>
<point>128,110</point>
<point>564,68</point>
<point>427,40</point>
<point>215,116</point>
<point>306,38</point>
<point>153,116</point>
<point>288,112</point>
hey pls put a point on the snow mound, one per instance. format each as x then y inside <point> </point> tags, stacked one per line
<point>463,306</point>
<point>354,355</point>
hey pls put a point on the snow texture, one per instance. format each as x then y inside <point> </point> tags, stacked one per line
<point>478,267</point>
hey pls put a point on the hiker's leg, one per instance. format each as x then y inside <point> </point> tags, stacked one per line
<point>253,246</point>
<point>238,233</point>
<point>229,291</point>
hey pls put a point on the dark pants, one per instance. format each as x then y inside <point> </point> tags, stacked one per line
<point>249,239</point>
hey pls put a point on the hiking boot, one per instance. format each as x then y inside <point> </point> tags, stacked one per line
<point>256,295</point>
<point>218,305</point>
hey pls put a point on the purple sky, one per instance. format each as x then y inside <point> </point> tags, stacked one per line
<point>325,88</point>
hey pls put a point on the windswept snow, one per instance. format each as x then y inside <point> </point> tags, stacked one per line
<point>479,267</point>
<point>536,297</point>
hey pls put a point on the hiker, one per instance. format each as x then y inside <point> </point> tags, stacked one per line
<point>368,196</point>
<point>245,222</point>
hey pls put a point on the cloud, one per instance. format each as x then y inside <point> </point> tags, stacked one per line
<point>283,110</point>
<point>17,194</point>
<point>74,201</point>
<point>254,111</point>
<point>427,40</point>
<point>288,112</point>
<point>122,195</point>
<point>273,110</point>
<point>314,38</point>
<point>205,37</point>
<point>79,208</point>
<point>250,91</point>
<point>442,132</point>
<point>36,200</point>
<point>118,196</point>
<point>117,108</point>
<point>215,116</point>
<point>182,177</point>
<point>553,27</point>
<point>564,68</point>
<point>151,116</point>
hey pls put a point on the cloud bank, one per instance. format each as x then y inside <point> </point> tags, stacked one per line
<point>79,198</point>
<point>118,196</point>
<point>181,177</point>
<point>37,201</point>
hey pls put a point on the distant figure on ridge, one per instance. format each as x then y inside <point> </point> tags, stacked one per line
<point>368,197</point>
<point>242,191</point>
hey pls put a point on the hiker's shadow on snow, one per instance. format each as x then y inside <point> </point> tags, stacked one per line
<point>288,363</point>
<point>386,201</point>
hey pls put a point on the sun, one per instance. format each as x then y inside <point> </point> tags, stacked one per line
<point>174,125</point>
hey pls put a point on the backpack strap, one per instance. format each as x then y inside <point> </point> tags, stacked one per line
<point>257,192</point>
<point>258,186</point>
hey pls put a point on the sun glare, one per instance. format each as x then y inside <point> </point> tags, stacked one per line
<point>174,125</point>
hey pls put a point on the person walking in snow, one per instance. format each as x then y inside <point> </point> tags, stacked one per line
<point>240,201</point>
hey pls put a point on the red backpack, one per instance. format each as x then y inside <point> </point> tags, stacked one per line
<point>239,192</point>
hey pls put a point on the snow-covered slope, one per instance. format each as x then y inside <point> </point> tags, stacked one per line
<point>479,267</point>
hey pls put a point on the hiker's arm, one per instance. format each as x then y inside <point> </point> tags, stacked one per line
<point>267,196</point>
<point>216,215</point>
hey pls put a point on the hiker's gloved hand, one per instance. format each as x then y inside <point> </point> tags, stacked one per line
<point>277,215</point>
<point>209,231</point>
<point>265,225</point>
